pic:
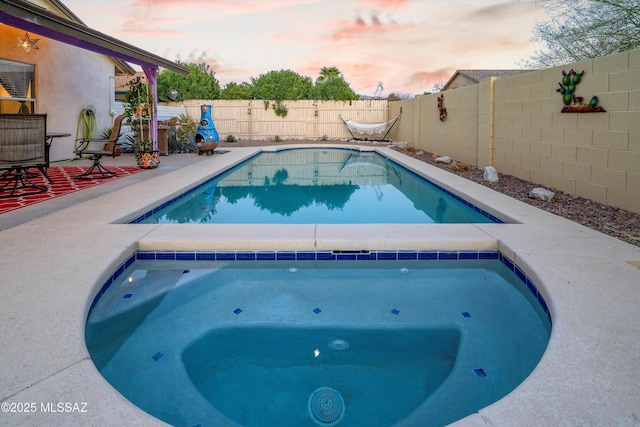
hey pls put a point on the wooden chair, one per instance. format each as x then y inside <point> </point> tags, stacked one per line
<point>97,171</point>
<point>23,140</point>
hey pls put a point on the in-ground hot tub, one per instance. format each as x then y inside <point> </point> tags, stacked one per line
<point>243,338</point>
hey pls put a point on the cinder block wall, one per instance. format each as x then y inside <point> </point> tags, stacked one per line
<point>421,127</point>
<point>516,125</point>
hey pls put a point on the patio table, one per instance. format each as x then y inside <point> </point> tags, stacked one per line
<point>50,138</point>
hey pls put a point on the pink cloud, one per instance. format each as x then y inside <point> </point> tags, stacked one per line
<point>423,81</point>
<point>384,4</point>
<point>360,29</point>
<point>407,44</point>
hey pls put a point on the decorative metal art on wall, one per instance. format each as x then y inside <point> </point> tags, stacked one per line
<point>572,102</point>
<point>27,43</point>
<point>443,111</point>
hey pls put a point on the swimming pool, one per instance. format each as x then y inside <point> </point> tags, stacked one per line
<point>317,186</point>
<point>399,335</point>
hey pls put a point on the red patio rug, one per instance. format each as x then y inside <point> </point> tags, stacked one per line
<point>64,182</point>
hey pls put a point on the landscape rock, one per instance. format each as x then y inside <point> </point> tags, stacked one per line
<point>443,159</point>
<point>541,193</point>
<point>490,174</point>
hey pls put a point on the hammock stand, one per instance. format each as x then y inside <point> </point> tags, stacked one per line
<point>370,130</point>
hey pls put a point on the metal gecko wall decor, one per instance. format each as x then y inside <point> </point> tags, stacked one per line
<point>572,102</point>
<point>443,111</point>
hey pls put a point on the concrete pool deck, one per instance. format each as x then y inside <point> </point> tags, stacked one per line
<point>52,266</point>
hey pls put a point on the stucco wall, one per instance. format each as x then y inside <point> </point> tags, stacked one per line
<point>520,129</point>
<point>67,79</point>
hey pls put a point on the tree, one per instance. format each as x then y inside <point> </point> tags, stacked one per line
<point>281,85</point>
<point>200,83</point>
<point>330,85</point>
<point>236,91</point>
<point>583,29</point>
<point>329,72</point>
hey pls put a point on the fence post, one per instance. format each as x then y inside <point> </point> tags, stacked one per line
<point>249,130</point>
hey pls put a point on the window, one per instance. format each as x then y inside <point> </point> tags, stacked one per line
<point>17,94</point>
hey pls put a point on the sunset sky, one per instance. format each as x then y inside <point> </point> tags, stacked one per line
<point>408,45</point>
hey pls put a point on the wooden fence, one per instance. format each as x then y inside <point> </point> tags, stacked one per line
<point>305,120</point>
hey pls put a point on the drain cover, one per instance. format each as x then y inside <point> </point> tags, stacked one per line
<point>326,406</point>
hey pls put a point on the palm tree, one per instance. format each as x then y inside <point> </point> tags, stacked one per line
<point>327,73</point>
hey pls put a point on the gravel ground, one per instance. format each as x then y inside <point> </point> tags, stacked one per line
<point>616,222</point>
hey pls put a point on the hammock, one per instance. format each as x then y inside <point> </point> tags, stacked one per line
<point>363,159</point>
<point>369,132</point>
<point>368,159</point>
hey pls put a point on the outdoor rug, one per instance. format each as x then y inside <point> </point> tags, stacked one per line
<point>63,183</point>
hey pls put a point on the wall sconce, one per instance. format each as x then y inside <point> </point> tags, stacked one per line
<point>249,110</point>
<point>315,113</point>
<point>27,43</point>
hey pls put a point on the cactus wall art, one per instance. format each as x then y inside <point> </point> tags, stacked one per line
<point>572,102</point>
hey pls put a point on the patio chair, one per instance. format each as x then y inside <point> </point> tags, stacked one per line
<point>23,140</point>
<point>97,171</point>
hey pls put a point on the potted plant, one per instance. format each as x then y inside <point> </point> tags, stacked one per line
<point>137,107</point>
<point>145,155</point>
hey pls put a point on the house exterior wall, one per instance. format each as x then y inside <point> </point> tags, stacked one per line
<point>67,79</point>
<point>521,131</point>
<point>458,81</point>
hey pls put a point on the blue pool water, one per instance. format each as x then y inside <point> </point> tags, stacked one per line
<point>404,342</point>
<point>318,186</point>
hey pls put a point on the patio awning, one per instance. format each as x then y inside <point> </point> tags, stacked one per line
<point>29,17</point>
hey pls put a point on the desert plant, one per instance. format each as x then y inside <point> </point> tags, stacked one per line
<point>231,138</point>
<point>325,137</point>
<point>277,139</point>
<point>460,167</point>
<point>106,132</point>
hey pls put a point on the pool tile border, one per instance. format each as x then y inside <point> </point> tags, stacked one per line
<point>400,255</point>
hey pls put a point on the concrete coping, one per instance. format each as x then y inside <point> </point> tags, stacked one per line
<point>52,267</point>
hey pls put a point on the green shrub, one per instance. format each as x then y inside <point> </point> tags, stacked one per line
<point>280,109</point>
<point>187,130</point>
<point>231,138</point>
<point>277,139</point>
